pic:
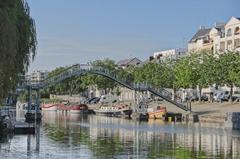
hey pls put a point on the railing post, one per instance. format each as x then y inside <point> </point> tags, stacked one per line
<point>38,100</point>
<point>29,98</point>
<point>190,106</point>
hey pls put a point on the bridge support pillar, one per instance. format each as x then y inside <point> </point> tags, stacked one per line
<point>29,99</point>
<point>33,114</point>
<point>140,107</point>
<point>37,109</point>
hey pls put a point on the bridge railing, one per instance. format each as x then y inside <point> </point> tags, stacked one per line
<point>81,69</point>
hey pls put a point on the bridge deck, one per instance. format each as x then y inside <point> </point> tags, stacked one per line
<point>78,70</point>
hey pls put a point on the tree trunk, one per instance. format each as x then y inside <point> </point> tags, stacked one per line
<point>174,94</point>
<point>200,93</point>
<point>231,92</point>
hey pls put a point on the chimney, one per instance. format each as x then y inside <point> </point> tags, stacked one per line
<point>201,27</point>
<point>216,24</point>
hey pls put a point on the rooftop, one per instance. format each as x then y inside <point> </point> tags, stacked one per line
<point>127,62</point>
<point>200,34</point>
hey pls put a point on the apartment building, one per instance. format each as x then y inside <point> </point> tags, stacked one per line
<point>229,37</point>
<point>201,40</point>
<point>37,76</point>
<point>170,55</point>
<point>220,38</point>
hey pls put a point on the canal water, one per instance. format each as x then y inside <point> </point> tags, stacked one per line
<point>70,136</point>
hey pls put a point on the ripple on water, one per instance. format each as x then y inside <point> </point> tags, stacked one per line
<point>67,137</point>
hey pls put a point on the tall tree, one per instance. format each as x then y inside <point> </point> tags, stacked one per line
<point>184,75</point>
<point>103,82</point>
<point>17,42</point>
<point>229,69</point>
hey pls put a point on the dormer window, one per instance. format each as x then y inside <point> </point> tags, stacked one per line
<point>229,32</point>
<point>237,31</point>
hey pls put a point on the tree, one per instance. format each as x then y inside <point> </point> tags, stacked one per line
<point>79,84</point>
<point>204,70</point>
<point>229,69</point>
<point>17,43</point>
<point>183,71</point>
<point>103,82</point>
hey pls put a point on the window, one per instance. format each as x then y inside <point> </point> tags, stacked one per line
<point>222,46</point>
<point>237,31</point>
<point>229,32</point>
<point>216,47</point>
<point>229,44</point>
<point>222,34</point>
<point>237,43</point>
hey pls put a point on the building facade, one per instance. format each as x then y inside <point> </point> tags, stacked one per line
<point>201,40</point>
<point>220,38</point>
<point>37,76</point>
<point>129,62</point>
<point>170,55</point>
<point>228,39</point>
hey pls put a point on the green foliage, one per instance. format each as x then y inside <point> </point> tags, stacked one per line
<point>157,74</point>
<point>103,82</point>
<point>201,69</point>
<point>183,72</point>
<point>79,84</point>
<point>23,97</point>
<point>17,42</point>
<point>205,69</point>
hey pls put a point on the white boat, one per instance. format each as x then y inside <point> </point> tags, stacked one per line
<point>114,111</point>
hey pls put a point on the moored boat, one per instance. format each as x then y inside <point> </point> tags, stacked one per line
<point>81,108</point>
<point>118,110</point>
<point>50,107</point>
<point>159,113</point>
<point>74,108</point>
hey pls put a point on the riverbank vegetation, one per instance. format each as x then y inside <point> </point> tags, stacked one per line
<point>17,43</point>
<point>199,69</point>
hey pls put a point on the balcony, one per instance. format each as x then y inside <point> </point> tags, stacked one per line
<point>207,44</point>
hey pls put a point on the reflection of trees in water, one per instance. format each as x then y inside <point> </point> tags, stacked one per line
<point>101,146</point>
<point>195,145</point>
<point>111,137</point>
<point>5,139</point>
<point>168,148</point>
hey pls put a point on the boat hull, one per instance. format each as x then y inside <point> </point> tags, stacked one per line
<point>50,107</point>
<point>117,113</point>
<point>158,114</point>
<point>75,109</point>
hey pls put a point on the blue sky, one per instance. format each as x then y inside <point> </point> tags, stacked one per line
<point>77,31</point>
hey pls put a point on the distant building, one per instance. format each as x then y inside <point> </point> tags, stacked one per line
<point>129,62</point>
<point>220,38</point>
<point>228,38</point>
<point>169,55</point>
<point>201,40</point>
<point>37,76</point>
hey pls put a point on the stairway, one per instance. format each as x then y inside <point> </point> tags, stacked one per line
<point>78,70</point>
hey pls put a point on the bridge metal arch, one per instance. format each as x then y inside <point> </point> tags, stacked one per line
<point>58,79</point>
<point>80,70</point>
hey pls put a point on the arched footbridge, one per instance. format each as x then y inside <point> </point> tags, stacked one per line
<point>79,70</point>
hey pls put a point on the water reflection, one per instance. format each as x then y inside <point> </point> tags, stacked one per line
<point>65,135</point>
<point>140,140</point>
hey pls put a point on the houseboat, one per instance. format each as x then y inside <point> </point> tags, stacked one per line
<point>159,113</point>
<point>80,108</point>
<point>118,111</point>
<point>74,108</point>
<point>50,107</point>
